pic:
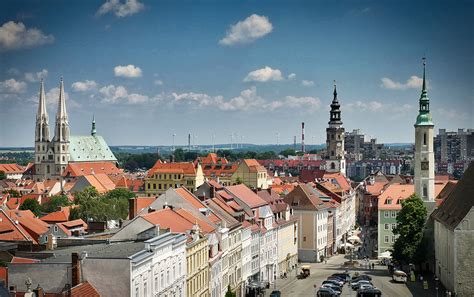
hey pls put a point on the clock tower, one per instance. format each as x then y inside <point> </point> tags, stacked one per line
<point>335,161</point>
<point>424,155</point>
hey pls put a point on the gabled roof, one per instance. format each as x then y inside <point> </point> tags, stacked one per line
<point>303,197</point>
<point>188,196</point>
<point>34,226</point>
<point>10,230</point>
<point>246,195</point>
<point>84,289</point>
<point>254,166</point>
<point>458,203</point>
<point>89,149</point>
<point>88,168</point>
<point>100,181</point>
<point>397,193</point>
<point>340,179</point>
<point>67,226</point>
<point>167,218</point>
<point>12,168</point>
<point>175,167</point>
<point>205,227</point>
<point>59,216</point>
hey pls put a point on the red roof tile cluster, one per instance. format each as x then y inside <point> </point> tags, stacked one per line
<point>68,226</point>
<point>59,216</point>
<point>84,289</point>
<point>101,182</point>
<point>246,195</point>
<point>138,204</point>
<point>211,159</point>
<point>178,221</point>
<point>175,167</point>
<point>88,168</point>
<point>21,225</point>
<point>12,168</point>
<point>254,166</point>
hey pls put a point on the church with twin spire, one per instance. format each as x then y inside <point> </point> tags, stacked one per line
<point>52,155</point>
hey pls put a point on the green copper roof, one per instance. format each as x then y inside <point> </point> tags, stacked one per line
<point>89,149</point>
<point>424,115</point>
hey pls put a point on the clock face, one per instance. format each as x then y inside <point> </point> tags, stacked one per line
<point>338,144</point>
<point>425,165</point>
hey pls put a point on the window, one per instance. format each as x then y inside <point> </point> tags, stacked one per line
<point>385,214</point>
<point>425,191</point>
<point>393,238</point>
<point>333,166</point>
<point>424,138</point>
<point>55,228</point>
<point>386,226</point>
<point>149,186</point>
<point>394,225</point>
<point>304,238</point>
<point>154,186</point>
<point>394,214</point>
<point>386,239</point>
<point>388,201</point>
<point>156,283</point>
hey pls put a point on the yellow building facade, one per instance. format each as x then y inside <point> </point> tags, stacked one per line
<point>197,261</point>
<point>173,175</point>
<point>252,174</point>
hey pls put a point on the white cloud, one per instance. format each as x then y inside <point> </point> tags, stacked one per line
<point>307,83</point>
<point>127,71</point>
<point>291,76</point>
<point>13,71</point>
<point>414,82</point>
<point>306,102</point>
<point>12,86</point>
<point>264,74</point>
<point>365,106</point>
<point>127,8</point>
<point>158,82</point>
<point>116,94</point>
<point>248,30</point>
<point>36,77</point>
<point>16,35</point>
<point>52,98</point>
<point>83,86</point>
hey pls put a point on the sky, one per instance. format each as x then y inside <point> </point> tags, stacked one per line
<point>252,69</point>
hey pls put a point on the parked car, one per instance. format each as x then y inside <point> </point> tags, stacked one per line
<point>399,276</point>
<point>374,292</point>
<point>326,292</point>
<point>345,276</point>
<point>332,287</point>
<point>365,286</point>
<point>330,281</point>
<point>337,279</point>
<point>356,285</point>
<point>362,276</point>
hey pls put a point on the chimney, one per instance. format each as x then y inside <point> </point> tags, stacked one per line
<point>131,208</point>
<point>76,269</point>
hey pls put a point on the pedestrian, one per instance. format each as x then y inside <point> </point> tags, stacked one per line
<point>373,266</point>
<point>325,261</point>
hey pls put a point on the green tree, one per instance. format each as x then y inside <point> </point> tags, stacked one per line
<point>33,205</point>
<point>410,226</point>
<point>178,155</point>
<point>288,152</point>
<point>229,292</point>
<point>55,202</point>
<point>93,206</point>
<point>2,175</point>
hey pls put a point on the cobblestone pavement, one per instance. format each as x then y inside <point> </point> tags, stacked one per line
<point>291,286</point>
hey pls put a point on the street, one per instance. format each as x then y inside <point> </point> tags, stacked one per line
<point>381,279</point>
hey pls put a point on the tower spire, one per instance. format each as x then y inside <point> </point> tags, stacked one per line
<point>42,126</point>
<point>93,131</point>
<point>424,115</point>
<point>62,120</point>
<point>335,113</point>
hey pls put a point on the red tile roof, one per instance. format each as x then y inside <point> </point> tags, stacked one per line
<point>34,226</point>
<point>246,195</point>
<point>11,168</point>
<point>101,182</point>
<point>188,196</point>
<point>84,289</point>
<point>167,218</point>
<point>205,227</point>
<point>254,166</point>
<point>176,167</point>
<point>59,216</point>
<point>12,231</point>
<point>88,168</point>
<point>340,179</point>
<point>138,204</point>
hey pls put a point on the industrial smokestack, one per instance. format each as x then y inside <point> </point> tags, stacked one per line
<point>302,137</point>
<point>189,141</point>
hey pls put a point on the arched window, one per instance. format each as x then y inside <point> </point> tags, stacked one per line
<point>333,166</point>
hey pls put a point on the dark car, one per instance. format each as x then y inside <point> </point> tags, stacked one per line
<point>345,276</point>
<point>275,294</point>
<point>337,279</point>
<point>333,287</point>
<point>362,276</point>
<point>369,293</point>
<point>326,292</point>
<point>332,282</point>
<point>356,285</point>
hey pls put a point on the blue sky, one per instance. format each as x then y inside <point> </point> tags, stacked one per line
<point>148,69</point>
